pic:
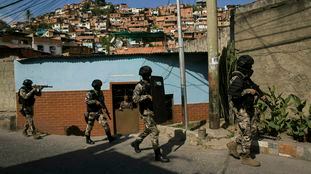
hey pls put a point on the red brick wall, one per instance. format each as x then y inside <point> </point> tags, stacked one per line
<point>195,112</point>
<point>56,111</point>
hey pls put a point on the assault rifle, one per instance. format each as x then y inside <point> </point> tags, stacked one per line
<point>108,114</point>
<point>42,86</point>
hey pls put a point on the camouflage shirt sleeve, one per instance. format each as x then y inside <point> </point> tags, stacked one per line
<point>89,100</point>
<point>26,95</point>
<point>137,97</point>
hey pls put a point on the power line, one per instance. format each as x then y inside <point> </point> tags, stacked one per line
<point>14,9</point>
<point>15,12</point>
<point>48,5</point>
<point>10,4</point>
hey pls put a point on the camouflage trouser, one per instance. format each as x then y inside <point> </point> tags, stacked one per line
<point>27,111</point>
<point>102,119</point>
<point>247,126</point>
<point>150,128</point>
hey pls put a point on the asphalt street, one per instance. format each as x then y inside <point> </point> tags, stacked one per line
<point>54,154</point>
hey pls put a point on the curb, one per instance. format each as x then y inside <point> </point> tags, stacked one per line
<point>286,149</point>
<point>278,148</point>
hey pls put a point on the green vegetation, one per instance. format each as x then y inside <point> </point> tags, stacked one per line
<point>97,11</point>
<point>226,67</point>
<point>86,7</point>
<point>100,2</point>
<point>274,113</point>
<point>279,114</point>
<point>105,41</point>
<point>4,25</point>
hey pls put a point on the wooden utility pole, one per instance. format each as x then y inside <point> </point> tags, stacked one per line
<point>213,59</point>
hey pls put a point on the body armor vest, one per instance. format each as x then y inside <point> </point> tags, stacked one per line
<point>99,97</point>
<point>145,104</point>
<point>26,102</point>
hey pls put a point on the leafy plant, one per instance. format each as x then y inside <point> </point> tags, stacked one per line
<point>274,113</point>
<point>297,128</point>
<point>300,123</point>
<point>227,63</point>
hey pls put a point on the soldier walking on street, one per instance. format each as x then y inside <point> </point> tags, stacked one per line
<point>26,97</point>
<point>142,96</point>
<point>96,110</point>
<point>242,92</point>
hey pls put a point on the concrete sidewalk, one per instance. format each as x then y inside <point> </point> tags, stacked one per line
<point>69,154</point>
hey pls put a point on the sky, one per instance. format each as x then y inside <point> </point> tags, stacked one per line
<point>38,7</point>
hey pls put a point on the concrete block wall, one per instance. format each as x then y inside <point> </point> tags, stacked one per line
<point>277,33</point>
<point>7,86</point>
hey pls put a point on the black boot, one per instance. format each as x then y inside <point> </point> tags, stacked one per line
<point>25,133</point>
<point>159,156</point>
<point>88,140</point>
<point>135,145</point>
<point>35,135</point>
<point>109,136</point>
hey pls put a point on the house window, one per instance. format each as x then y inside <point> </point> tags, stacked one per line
<point>52,49</point>
<point>40,47</point>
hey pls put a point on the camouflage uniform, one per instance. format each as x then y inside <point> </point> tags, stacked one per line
<point>242,93</point>
<point>95,112</point>
<point>141,95</point>
<point>243,108</point>
<point>27,101</point>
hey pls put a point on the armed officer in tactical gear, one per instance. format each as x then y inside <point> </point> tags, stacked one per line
<point>142,96</point>
<point>96,110</point>
<point>242,92</point>
<point>27,99</point>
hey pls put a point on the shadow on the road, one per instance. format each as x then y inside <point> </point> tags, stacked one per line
<point>74,130</point>
<point>255,147</point>
<point>95,159</point>
<point>178,140</point>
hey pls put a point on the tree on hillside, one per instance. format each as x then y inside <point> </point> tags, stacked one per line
<point>100,2</point>
<point>28,15</point>
<point>86,7</point>
<point>105,41</point>
<point>44,25</point>
<point>3,25</point>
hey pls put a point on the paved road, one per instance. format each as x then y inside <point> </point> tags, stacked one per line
<point>69,154</point>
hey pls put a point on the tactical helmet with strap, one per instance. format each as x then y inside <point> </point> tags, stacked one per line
<point>145,70</point>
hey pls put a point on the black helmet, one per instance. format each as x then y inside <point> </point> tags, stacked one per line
<point>245,62</point>
<point>27,82</point>
<point>145,70</point>
<point>97,83</point>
